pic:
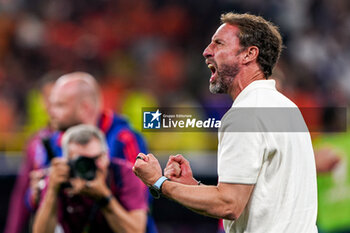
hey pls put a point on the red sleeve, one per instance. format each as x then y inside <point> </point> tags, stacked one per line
<point>131,145</point>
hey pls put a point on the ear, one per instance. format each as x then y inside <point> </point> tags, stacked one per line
<point>250,54</point>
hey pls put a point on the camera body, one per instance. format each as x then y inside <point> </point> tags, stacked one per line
<point>82,167</point>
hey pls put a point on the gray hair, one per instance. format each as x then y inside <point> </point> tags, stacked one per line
<point>82,134</point>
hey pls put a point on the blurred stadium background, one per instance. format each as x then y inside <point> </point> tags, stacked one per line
<point>148,53</point>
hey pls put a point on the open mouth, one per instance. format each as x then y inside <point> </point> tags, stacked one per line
<point>213,72</point>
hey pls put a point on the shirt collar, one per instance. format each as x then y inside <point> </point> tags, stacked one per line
<point>266,84</point>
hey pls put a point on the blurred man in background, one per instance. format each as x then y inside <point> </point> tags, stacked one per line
<point>267,181</point>
<point>112,199</point>
<point>76,99</point>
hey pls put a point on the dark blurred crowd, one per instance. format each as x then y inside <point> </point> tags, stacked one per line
<point>149,53</point>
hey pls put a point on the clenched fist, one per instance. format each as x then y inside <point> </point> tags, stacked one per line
<point>147,168</point>
<point>178,169</point>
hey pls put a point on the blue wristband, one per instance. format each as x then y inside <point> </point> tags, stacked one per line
<point>160,182</point>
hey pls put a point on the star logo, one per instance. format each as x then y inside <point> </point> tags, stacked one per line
<point>151,120</point>
<point>156,115</point>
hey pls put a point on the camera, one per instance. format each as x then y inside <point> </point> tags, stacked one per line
<point>83,167</point>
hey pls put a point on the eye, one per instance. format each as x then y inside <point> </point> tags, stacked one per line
<point>218,42</point>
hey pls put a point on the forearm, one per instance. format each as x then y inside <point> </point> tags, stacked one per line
<point>122,221</point>
<point>46,216</point>
<point>200,211</point>
<point>204,199</point>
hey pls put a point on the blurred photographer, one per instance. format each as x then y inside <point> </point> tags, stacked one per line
<point>86,192</point>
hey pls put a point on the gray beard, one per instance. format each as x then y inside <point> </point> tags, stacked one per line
<point>224,80</point>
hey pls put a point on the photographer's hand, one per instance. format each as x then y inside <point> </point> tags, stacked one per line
<point>58,173</point>
<point>96,188</point>
<point>118,218</point>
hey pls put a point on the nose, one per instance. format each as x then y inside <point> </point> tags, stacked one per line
<point>207,52</point>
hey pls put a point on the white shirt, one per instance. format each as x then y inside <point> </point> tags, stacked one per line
<point>280,163</point>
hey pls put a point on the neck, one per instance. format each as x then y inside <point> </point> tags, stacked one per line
<point>243,80</point>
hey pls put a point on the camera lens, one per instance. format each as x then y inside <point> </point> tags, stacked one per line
<point>83,167</point>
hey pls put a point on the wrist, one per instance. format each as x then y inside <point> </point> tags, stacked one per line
<point>195,182</point>
<point>105,200</point>
<point>54,188</point>
<point>106,192</point>
<point>155,180</point>
<point>156,188</point>
<point>50,197</point>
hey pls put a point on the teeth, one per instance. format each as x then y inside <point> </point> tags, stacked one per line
<point>211,66</point>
